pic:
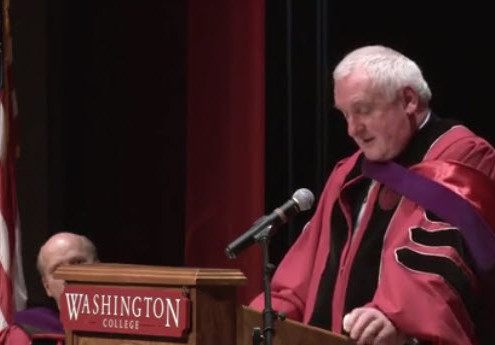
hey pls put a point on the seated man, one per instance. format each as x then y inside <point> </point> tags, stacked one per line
<point>44,323</point>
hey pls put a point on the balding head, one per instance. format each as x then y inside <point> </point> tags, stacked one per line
<point>60,249</point>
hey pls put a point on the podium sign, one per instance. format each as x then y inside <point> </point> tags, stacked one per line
<point>141,311</point>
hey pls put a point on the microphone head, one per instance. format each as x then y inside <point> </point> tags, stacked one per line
<point>304,198</point>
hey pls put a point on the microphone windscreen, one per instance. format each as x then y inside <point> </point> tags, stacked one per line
<point>304,199</point>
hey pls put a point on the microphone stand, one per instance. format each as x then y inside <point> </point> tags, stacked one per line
<point>265,337</point>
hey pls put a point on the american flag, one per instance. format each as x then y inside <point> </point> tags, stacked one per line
<point>12,287</point>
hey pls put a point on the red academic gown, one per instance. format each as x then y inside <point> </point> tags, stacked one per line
<point>421,304</point>
<point>34,324</point>
<point>14,335</point>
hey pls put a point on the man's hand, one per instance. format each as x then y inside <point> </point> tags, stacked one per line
<point>369,326</point>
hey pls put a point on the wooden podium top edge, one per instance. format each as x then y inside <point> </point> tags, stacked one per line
<point>291,331</point>
<point>149,275</point>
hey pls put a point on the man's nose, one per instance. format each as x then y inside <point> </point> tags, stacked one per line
<point>354,126</point>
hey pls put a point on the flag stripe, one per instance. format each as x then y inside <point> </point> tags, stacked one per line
<point>12,287</point>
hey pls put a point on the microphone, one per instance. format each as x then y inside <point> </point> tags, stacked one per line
<point>302,200</point>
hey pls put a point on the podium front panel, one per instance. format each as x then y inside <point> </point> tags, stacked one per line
<point>211,294</point>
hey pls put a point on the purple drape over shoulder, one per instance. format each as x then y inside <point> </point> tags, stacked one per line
<point>42,320</point>
<point>458,194</point>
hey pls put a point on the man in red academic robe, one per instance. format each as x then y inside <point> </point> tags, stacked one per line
<point>390,256</point>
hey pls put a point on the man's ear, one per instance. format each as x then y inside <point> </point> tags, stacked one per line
<point>410,100</point>
<point>45,285</point>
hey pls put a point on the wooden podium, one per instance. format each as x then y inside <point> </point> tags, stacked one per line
<point>118,304</point>
<point>212,295</point>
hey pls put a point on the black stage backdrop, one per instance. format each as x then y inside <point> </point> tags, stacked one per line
<point>104,93</point>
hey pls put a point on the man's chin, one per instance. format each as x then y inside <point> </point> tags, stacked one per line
<point>375,157</point>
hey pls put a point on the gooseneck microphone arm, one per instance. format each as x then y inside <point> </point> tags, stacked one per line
<point>302,200</point>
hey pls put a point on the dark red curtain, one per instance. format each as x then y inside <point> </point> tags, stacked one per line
<point>225,136</point>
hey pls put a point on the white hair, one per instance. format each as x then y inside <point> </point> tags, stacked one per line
<point>388,70</point>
